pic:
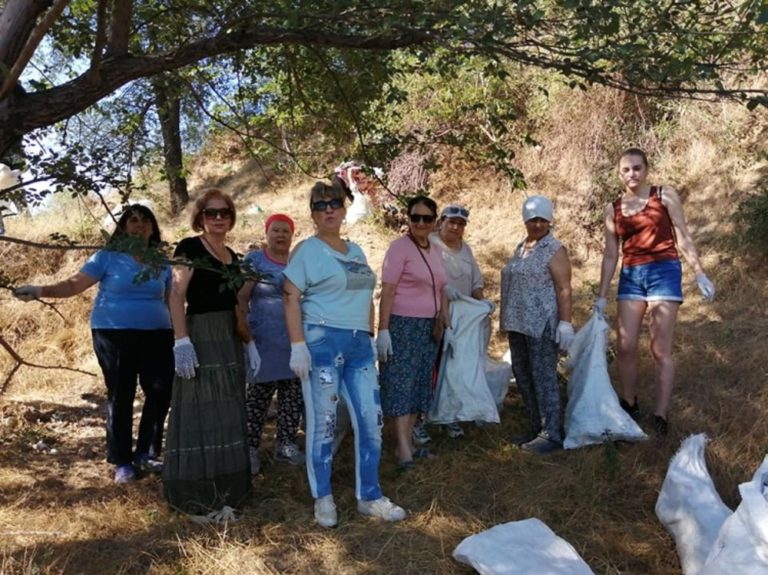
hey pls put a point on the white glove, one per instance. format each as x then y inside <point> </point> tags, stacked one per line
<point>384,345</point>
<point>451,292</point>
<point>28,293</point>
<point>449,341</point>
<point>300,362</point>
<point>564,335</point>
<point>599,306</point>
<point>185,358</point>
<point>706,287</point>
<point>252,361</point>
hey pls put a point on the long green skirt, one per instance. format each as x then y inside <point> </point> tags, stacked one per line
<point>206,457</point>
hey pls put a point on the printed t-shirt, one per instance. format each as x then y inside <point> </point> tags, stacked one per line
<point>336,288</point>
<point>414,288</point>
<point>123,302</point>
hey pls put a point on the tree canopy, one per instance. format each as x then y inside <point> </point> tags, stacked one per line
<point>693,48</point>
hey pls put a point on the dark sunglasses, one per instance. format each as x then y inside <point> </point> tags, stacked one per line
<point>322,205</point>
<point>455,211</point>
<point>213,213</point>
<point>416,218</point>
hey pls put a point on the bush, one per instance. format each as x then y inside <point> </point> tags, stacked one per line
<point>752,215</point>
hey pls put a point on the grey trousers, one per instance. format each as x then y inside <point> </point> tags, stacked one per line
<point>534,364</point>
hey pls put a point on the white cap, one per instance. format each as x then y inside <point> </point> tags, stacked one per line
<point>537,207</point>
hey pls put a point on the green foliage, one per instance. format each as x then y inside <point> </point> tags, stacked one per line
<point>752,217</point>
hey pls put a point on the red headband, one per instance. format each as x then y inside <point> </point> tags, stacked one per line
<point>278,218</point>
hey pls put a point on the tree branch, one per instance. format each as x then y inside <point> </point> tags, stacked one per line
<point>20,361</point>
<point>101,39</point>
<point>32,43</point>
<point>120,27</point>
<point>39,109</point>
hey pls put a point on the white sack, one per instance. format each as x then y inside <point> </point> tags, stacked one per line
<point>359,209</point>
<point>520,548</point>
<point>593,414</point>
<point>741,547</point>
<point>498,374</point>
<point>462,392</point>
<point>689,505</point>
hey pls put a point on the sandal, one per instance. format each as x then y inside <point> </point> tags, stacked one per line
<point>423,453</point>
<point>405,466</point>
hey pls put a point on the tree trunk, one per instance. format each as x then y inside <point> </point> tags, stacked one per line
<point>168,106</point>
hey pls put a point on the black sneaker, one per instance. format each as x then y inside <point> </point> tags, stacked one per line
<point>541,445</point>
<point>660,426</point>
<point>633,410</point>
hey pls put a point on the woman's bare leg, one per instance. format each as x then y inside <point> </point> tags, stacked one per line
<point>663,319</point>
<point>630,320</point>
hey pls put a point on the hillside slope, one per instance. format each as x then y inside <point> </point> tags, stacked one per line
<point>60,513</point>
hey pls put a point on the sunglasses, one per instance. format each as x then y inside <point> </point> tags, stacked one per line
<point>322,205</point>
<point>213,213</point>
<point>426,218</point>
<point>456,211</point>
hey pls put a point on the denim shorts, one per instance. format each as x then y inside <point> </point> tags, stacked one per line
<point>654,281</point>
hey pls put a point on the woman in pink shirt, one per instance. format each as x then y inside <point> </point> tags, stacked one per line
<point>412,317</point>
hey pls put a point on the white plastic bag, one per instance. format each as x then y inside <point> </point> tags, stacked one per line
<point>741,547</point>
<point>498,374</point>
<point>462,392</point>
<point>689,505</point>
<point>359,209</point>
<point>593,414</point>
<point>525,547</point>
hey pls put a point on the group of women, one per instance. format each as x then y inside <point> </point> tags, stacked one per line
<point>310,314</point>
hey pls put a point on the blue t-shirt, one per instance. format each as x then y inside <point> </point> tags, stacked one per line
<point>266,318</point>
<point>337,288</point>
<point>123,303</point>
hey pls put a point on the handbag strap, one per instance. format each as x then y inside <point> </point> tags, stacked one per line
<point>431,275</point>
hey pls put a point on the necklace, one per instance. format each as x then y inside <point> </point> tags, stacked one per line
<point>415,241</point>
<point>216,253</point>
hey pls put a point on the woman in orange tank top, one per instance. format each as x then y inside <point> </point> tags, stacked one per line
<point>647,222</point>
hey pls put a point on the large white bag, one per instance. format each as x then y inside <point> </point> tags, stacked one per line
<point>498,375</point>
<point>359,209</point>
<point>520,548</point>
<point>593,414</point>
<point>689,505</point>
<point>741,547</point>
<point>462,392</point>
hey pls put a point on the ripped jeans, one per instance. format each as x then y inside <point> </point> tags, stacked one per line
<point>342,367</point>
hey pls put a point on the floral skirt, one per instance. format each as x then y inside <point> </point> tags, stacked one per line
<point>406,378</point>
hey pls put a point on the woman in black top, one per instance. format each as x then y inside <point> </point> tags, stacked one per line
<point>207,471</point>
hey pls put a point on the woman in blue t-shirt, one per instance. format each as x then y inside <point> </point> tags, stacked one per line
<point>266,321</point>
<point>329,315</point>
<point>132,338</point>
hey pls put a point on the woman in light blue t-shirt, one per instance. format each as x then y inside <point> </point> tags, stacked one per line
<point>132,338</point>
<point>329,314</point>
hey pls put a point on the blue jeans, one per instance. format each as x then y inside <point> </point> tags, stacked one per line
<point>655,281</point>
<point>342,366</point>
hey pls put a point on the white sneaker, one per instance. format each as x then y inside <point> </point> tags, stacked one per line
<point>253,454</point>
<point>419,434</point>
<point>325,511</point>
<point>381,507</point>
<point>454,430</point>
<point>289,453</point>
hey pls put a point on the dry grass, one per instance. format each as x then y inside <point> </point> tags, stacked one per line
<point>60,512</point>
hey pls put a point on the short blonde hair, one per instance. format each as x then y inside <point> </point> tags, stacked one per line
<point>196,218</point>
<point>336,190</point>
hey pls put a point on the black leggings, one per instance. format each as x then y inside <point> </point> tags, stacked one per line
<point>126,355</point>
